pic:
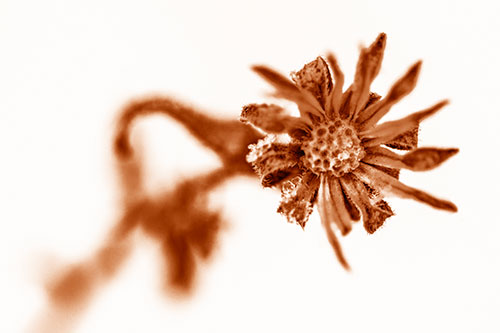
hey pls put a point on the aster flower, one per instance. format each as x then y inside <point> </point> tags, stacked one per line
<point>336,155</point>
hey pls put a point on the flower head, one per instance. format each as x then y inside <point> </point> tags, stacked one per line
<point>336,154</point>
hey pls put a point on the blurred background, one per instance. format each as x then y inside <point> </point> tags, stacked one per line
<point>66,70</point>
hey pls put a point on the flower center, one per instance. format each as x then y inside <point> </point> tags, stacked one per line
<point>333,147</point>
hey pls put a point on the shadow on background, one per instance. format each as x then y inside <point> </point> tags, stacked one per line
<point>180,219</point>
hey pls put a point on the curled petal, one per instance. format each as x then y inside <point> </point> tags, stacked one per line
<point>315,78</point>
<point>327,215</point>
<point>271,118</point>
<point>268,117</point>
<point>373,193</point>
<point>405,141</point>
<point>287,89</point>
<point>381,180</point>
<point>421,159</point>
<point>336,95</point>
<point>297,198</point>
<point>276,177</point>
<point>369,63</point>
<point>374,214</point>
<point>274,162</point>
<point>344,112</point>
<point>300,133</point>
<point>400,89</point>
<point>387,131</point>
<point>351,207</point>
<point>379,213</point>
<point>374,97</point>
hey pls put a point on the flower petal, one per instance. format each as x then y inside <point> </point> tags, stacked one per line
<point>383,157</point>
<point>368,67</point>
<point>421,159</point>
<point>300,133</point>
<point>387,131</point>
<point>374,97</point>
<point>336,95</point>
<point>379,213</point>
<point>268,117</point>
<point>274,162</point>
<point>344,111</point>
<point>297,198</point>
<point>400,89</point>
<point>327,217</point>
<point>351,206</point>
<point>337,204</point>
<point>315,78</point>
<point>405,141</point>
<point>374,215</point>
<point>287,89</point>
<point>271,118</point>
<point>379,179</point>
<point>393,172</point>
<point>424,159</point>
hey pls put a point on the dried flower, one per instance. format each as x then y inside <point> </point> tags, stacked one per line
<point>333,154</point>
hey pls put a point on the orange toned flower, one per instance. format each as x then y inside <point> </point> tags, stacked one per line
<point>333,155</point>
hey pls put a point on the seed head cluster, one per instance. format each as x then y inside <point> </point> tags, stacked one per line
<point>333,147</point>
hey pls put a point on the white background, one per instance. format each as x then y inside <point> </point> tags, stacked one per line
<point>66,68</point>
